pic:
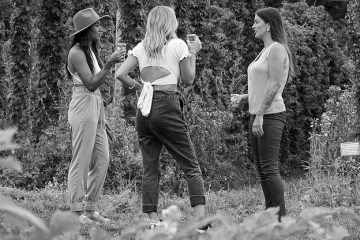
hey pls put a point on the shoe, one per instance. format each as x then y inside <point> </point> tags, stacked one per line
<point>85,220</point>
<point>154,225</point>
<point>97,217</point>
<point>205,228</point>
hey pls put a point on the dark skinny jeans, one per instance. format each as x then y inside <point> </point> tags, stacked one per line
<point>265,150</point>
<point>165,125</point>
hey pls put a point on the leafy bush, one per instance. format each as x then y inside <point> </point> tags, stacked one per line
<point>20,68</point>
<point>335,126</point>
<point>319,64</point>
<point>126,161</point>
<point>353,17</point>
<point>223,157</point>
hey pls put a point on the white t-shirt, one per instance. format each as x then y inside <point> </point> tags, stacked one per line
<point>174,51</point>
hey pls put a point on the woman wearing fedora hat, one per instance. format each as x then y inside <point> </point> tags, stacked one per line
<point>86,116</point>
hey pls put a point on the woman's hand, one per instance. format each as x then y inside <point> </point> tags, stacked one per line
<point>257,127</point>
<point>194,45</point>
<point>116,57</point>
<point>238,100</point>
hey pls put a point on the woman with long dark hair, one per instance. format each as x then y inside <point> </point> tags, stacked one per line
<point>164,59</point>
<point>86,116</point>
<point>267,76</point>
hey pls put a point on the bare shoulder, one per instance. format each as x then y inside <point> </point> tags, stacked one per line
<point>76,54</point>
<point>278,51</point>
<point>75,50</point>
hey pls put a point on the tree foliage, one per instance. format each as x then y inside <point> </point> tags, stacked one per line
<point>319,63</point>
<point>353,18</point>
<point>3,87</point>
<point>50,50</point>
<point>21,63</point>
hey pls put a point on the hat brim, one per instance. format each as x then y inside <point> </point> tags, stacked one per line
<point>102,17</point>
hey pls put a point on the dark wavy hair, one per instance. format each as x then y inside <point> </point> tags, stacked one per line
<point>273,18</point>
<point>82,39</point>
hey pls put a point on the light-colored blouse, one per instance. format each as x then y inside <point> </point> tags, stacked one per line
<point>258,84</point>
<point>173,52</point>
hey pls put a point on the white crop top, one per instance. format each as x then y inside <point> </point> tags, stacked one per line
<point>174,51</point>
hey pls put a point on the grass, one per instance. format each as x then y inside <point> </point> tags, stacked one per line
<point>124,207</point>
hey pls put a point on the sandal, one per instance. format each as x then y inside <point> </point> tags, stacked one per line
<point>97,217</point>
<point>205,228</point>
<point>154,225</point>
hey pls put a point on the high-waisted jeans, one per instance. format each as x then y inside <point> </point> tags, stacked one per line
<point>265,150</point>
<point>90,149</point>
<point>165,125</point>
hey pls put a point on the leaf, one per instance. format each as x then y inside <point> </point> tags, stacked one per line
<point>98,234</point>
<point>337,233</point>
<point>38,234</point>
<point>131,231</point>
<point>224,233</point>
<point>191,227</point>
<point>261,219</point>
<point>316,215</point>
<point>351,214</point>
<point>292,226</point>
<point>11,162</point>
<point>63,222</point>
<point>6,205</point>
<point>227,220</point>
<point>6,138</point>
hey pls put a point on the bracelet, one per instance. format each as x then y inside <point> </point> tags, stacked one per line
<point>192,51</point>
<point>132,85</point>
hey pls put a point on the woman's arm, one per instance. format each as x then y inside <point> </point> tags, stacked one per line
<point>78,60</point>
<point>188,69</point>
<point>188,64</point>
<point>122,73</point>
<point>238,100</point>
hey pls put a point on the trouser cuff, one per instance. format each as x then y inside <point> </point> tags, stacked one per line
<point>149,208</point>
<point>76,207</point>
<point>89,206</point>
<point>197,200</point>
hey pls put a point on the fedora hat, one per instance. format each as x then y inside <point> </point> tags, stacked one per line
<point>85,18</point>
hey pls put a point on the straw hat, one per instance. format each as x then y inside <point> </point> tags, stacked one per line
<point>85,18</point>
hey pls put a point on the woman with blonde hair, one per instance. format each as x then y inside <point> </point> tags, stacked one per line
<point>163,60</point>
<point>267,76</point>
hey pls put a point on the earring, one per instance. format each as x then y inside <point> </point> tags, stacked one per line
<point>268,29</point>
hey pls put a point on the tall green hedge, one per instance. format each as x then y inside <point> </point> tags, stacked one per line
<point>219,133</point>
<point>3,87</point>
<point>319,64</point>
<point>21,64</point>
<point>50,49</point>
<point>353,20</point>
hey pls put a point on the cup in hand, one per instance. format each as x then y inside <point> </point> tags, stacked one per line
<point>191,37</point>
<point>121,47</point>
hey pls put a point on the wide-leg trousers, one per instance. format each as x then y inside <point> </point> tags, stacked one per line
<point>90,149</point>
